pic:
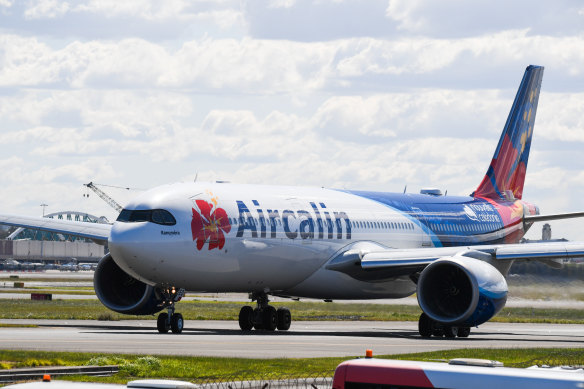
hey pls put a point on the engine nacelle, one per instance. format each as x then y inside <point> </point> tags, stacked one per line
<point>461,291</point>
<point>120,292</point>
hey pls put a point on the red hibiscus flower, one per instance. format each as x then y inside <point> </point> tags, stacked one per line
<point>209,224</point>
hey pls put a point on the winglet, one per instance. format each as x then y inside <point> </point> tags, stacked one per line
<point>506,174</point>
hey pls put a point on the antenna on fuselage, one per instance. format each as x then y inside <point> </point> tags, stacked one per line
<point>446,193</point>
<point>196,175</point>
<point>405,188</point>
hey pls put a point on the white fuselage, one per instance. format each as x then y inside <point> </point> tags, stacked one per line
<point>278,240</point>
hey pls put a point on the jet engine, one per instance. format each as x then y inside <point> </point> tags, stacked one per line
<point>461,291</point>
<point>121,292</point>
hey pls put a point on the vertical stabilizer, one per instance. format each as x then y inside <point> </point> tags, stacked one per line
<point>506,175</point>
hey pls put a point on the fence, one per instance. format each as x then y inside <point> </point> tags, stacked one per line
<point>316,381</point>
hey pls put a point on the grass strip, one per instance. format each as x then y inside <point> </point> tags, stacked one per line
<point>48,286</point>
<point>204,369</point>
<point>218,310</point>
<point>51,291</point>
<point>11,325</point>
<point>47,279</point>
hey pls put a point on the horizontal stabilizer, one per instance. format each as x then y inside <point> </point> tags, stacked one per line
<point>559,216</point>
<point>97,232</point>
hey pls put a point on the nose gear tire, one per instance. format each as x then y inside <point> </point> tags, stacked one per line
<point>162,323</point>
<point>176,323</point>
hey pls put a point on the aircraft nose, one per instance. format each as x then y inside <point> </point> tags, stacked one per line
<point>147,250</point>
<point>127,245</point>
<point>125,235</point>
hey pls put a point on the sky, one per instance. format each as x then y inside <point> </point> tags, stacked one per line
<point>371,95</point>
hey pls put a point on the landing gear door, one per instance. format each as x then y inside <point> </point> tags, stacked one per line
<point>418,214</point>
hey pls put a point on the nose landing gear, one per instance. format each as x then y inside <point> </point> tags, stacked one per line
<point>170,320</point>
<point>264,316</point>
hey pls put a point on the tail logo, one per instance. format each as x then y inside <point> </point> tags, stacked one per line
<point>470,213</point>
<point>506,174</point>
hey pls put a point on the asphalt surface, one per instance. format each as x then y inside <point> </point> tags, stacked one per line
<point>304,339</point>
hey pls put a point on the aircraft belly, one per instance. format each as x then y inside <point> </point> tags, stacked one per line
<point>328,284</point>
<point>254,266</point>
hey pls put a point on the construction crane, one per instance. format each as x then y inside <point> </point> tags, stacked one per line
<point>111,202</point>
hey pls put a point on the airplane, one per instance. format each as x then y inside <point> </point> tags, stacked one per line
<point>332,244</point>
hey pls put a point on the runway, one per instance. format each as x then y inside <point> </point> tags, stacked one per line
<point>305,339</point>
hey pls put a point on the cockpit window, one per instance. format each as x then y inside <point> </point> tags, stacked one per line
<point>141,216</point>
<point>158,216</point>
<point>124,216</point>
<point>161,216</point>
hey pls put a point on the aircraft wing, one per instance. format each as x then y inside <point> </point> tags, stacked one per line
<point>379,264</point>
<point>95,231</point>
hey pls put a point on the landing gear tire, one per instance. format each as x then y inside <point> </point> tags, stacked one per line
<point>246,318</point>
<point>451,332</point>
<point>162,323</point>
<point>258,320</point>
<point>264,316</point>
<point>269,318</point>
<point>176,323</point>
<point>463,332</point>
<point>284,319</point>
<point>425,326</point>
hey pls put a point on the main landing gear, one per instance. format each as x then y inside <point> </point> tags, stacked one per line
<point>264,316</point>
<point>170,320</point>
<point>428,328</point>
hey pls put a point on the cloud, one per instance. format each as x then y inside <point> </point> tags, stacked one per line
<point>49,9</point>
<point>310,21</point>
<point>25,185</point>
<point>562,117</point>
<point>457,18</point>
<point>228,65</point>
<point>148,10</point>
<point>394,19</point>
<point>151,20</point>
